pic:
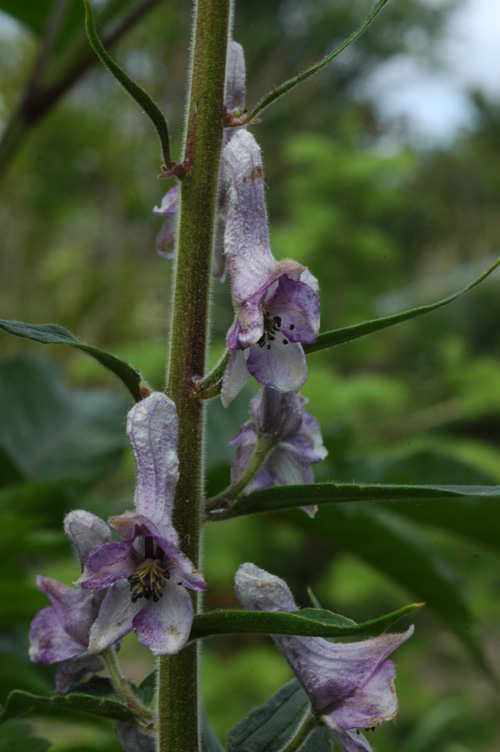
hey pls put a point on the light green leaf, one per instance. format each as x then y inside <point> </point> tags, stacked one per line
<point>308,621</point>
<point>52,334</point>
<point>348,333</point>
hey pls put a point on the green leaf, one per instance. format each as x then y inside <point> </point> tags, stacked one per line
<point>348,333</point>
<point>17,737</point>
<point>287,497</point>
<point>51,432</point>
<point>147,105</point>
<point>268,727</point>
<point>95,697</point>
<point>399,550</point>
<point>290,84</point>
<point>52,334</point>
<point>311,622</point>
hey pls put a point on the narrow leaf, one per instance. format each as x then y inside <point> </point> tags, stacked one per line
<point>288,497</point>
<point>52,334</point>
<point>209,742</point>
<point>268,727</point>
<point>348,333</point>
<point>136,92</point>
<point>399,550</point>
<point>287,85</point>
<point>310,622</point>
<point>95,697</point>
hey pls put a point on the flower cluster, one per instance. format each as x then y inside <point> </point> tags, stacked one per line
<point>349,685</point>
<point>276,302</point>
<point>291,436</point>
<point>139,583</point>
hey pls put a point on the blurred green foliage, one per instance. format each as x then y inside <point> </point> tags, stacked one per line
<point>382,228</point>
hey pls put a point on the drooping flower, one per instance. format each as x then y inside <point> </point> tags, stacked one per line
<point>60,632</point>
<point>276,302</point>
<point>350,685</point>
<point>146,574</point>
<point>234,100</point>
<point>296,442</point>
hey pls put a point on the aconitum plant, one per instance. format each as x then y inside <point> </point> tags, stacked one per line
<point>142,570</point>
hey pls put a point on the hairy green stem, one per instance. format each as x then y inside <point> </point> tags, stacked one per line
<point>178,674</point>
<point>264,445</point>
<point>122,686</point>
<point>308,724</point>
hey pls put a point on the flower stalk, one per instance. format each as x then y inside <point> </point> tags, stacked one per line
<point>122,686</point>
<point>308,724</point>
<point>178,675</point>
<point>265,444</point>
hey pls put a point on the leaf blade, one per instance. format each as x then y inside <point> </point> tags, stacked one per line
<point>349,333</point>
<point>53,334</point>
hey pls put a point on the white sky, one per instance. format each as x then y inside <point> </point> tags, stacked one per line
<point>434,103</point>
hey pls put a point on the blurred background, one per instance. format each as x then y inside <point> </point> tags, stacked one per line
<point>383,177</point>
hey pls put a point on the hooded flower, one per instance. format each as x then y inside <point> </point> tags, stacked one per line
<point>349,685</point>
<point>234,100</point>
<point>60,632</point>
<point>146,573</point>
<point>276,302</point>
<point>297,442</point>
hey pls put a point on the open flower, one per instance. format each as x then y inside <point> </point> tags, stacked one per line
<point>234,101</point>
<point>60,632</point>
<point>296,442</point>
<point>349,685</point>
<point>276,302</point>
<point>147,574</point>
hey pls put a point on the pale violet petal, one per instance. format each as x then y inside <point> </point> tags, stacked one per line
<point>257,590</point>
<point>348,741</point>
<point>246,240</point>
<point>115,617</point>
<point>235,93</point>
<point>164,627</point>
<point>49,641</point>
<point>86,532</point>
<point>235,376</point>
<point>282,367</point>
<point>152,429</point>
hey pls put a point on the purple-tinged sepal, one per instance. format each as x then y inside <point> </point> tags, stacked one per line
<point>297,442</point>
<point>60,633</point>
<point>146,576</point>
<point>276,302</point>
<point>169,208</point>
<point>349,685</point>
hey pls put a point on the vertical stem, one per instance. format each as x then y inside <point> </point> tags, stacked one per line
<point>178,675</point>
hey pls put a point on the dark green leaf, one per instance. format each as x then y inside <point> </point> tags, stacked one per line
<point>95,697</point>
<point>287,497</point>
<point>52,334</point>
<point>348,333</point>
<point>17,737</point>
<point>146,691</point>
<point>268,727</point>
<point>398,549</point>
<point>52,432</point>
<point>308,621</point>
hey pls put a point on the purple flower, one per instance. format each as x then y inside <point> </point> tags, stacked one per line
<point>60,632</point>
<point>147,574</point>
<point>349,685</point>
<point>276,302</point>
<point>234,100</point>
<point>297,442</point>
